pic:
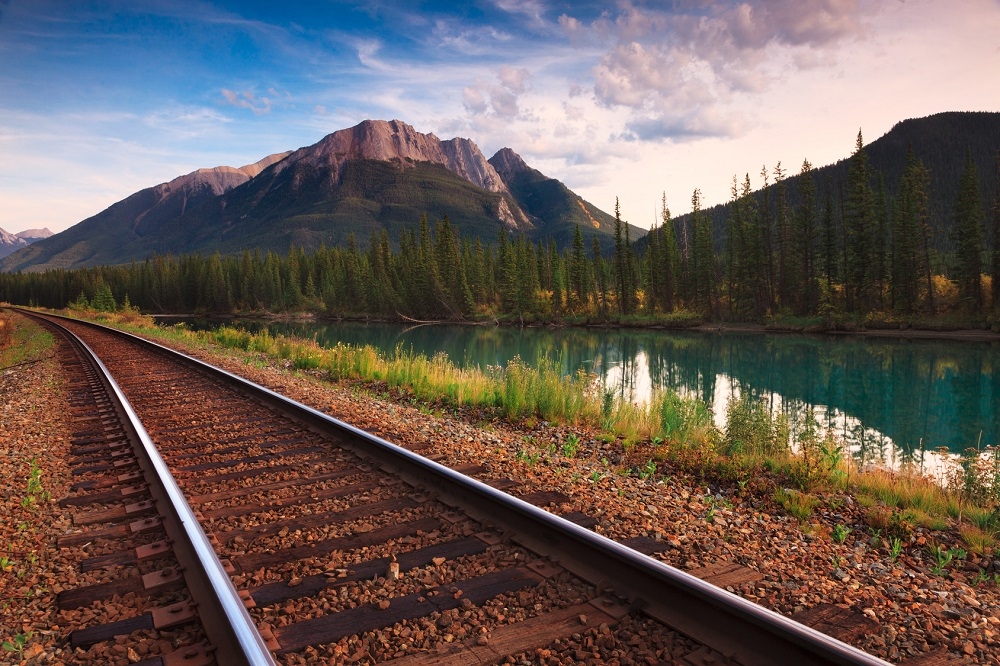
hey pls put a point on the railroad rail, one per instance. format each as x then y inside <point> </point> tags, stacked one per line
<point>324,542</point>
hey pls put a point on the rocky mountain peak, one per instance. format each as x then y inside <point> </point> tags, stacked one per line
<point>221,179</point>
<point>396,141</point>
<point>33,234</point>
<point>507,163</point>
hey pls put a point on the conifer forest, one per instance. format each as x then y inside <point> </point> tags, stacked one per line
<point>852,250</point>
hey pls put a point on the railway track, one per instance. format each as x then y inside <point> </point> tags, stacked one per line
<point>282,535</point>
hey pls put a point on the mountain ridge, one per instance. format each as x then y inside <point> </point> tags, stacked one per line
<point>378,175</point>
<point>12,242</point>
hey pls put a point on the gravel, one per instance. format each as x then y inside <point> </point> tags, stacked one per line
<point>700,523</point>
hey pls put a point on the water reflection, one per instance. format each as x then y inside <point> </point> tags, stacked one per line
<point>888,398</point>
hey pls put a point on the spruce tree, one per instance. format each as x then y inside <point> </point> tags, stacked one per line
<point>967,235</point>
<point>859,231</point>
<point>702,256</point>
<point>619,262</point>
<point>600,276</point>
<point>808,296</point>
<point>578,269</point>
<point>783,232</point>
<point>995,263</point>
<point>669,257</point>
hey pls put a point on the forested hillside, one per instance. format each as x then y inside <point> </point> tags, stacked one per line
<point>854,250</point>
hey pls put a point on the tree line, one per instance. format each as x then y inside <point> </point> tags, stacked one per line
<point>866,254</point>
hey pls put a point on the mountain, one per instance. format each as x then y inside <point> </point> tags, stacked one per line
<point>546,199</point>
<point>379,175</point>
<point>32,235</point>
<point>940,141</point>
<point>10,243</point>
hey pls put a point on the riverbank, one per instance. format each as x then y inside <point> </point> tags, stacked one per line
<point>903,331</point>
<point>822,546</point>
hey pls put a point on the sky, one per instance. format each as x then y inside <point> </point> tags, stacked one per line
<point>633,100</point>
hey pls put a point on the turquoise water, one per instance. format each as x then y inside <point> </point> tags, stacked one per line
<point>889,398</point>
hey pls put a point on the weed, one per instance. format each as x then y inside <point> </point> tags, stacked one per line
<point>596,476</point>
<point>6,564</point>
<point>18,644</point>
<point>978,540</point>
<point>942,557</point>
<point>571,446</point>
<point>752,430</point>
<point>840,532</point>
<point>34,492</point>
<point>797,504</point>
<point>895,548</point>
<point>529,457</point>
<point>648,470</point>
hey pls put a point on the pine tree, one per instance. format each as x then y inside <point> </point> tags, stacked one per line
<point>619,262</point>
<point>995,263</point>
<point>912,236</point>
<point>702,256</point>
<point>669,258</point>
<point>578,270</point>
<point>600,276</point>
<point>766,241</point>
<point>631,275</point>
<point>880,242</point>
<point>652,267</point>
<point>783,232</point>
<point>808,297</point>
<point>104,300</point>
<point>967,234</point>
<point>735,253</point>
<point>859,231</point>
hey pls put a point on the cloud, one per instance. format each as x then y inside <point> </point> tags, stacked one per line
<point>247,100</point>
<point>504,102</point>
<point>684,127</point>
<point>513,79</point>
<point>533,9</point>
<point>682,71</point>
<point>571,25</point>
<point>501,100</point>
<point>474,100</point>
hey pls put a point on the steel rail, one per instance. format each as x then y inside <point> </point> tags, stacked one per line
<point>740,630</point>
<point>228,626</point>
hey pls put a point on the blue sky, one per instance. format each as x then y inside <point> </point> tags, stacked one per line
<point>629,99</point>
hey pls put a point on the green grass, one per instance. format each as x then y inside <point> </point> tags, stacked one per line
<point>753,449</point>
<point>22,341</point>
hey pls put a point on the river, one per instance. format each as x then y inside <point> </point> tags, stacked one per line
<point>890,399</point>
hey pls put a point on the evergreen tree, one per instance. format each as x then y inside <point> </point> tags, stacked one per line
<point>783,232</point>
<point>766,241</point>
<point>669,258</point>
<point>995,263</point>
<point>104,300</point>
<point>967,234</point>
<point>702,257</point>
<point>631,276</point>
<point>911,238</point>
<point>619,259</point>
<point>808,296</point>
<point>600,276</point>
<point>880,242</point>
<point>859,231</point>
<point>578,270</point>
